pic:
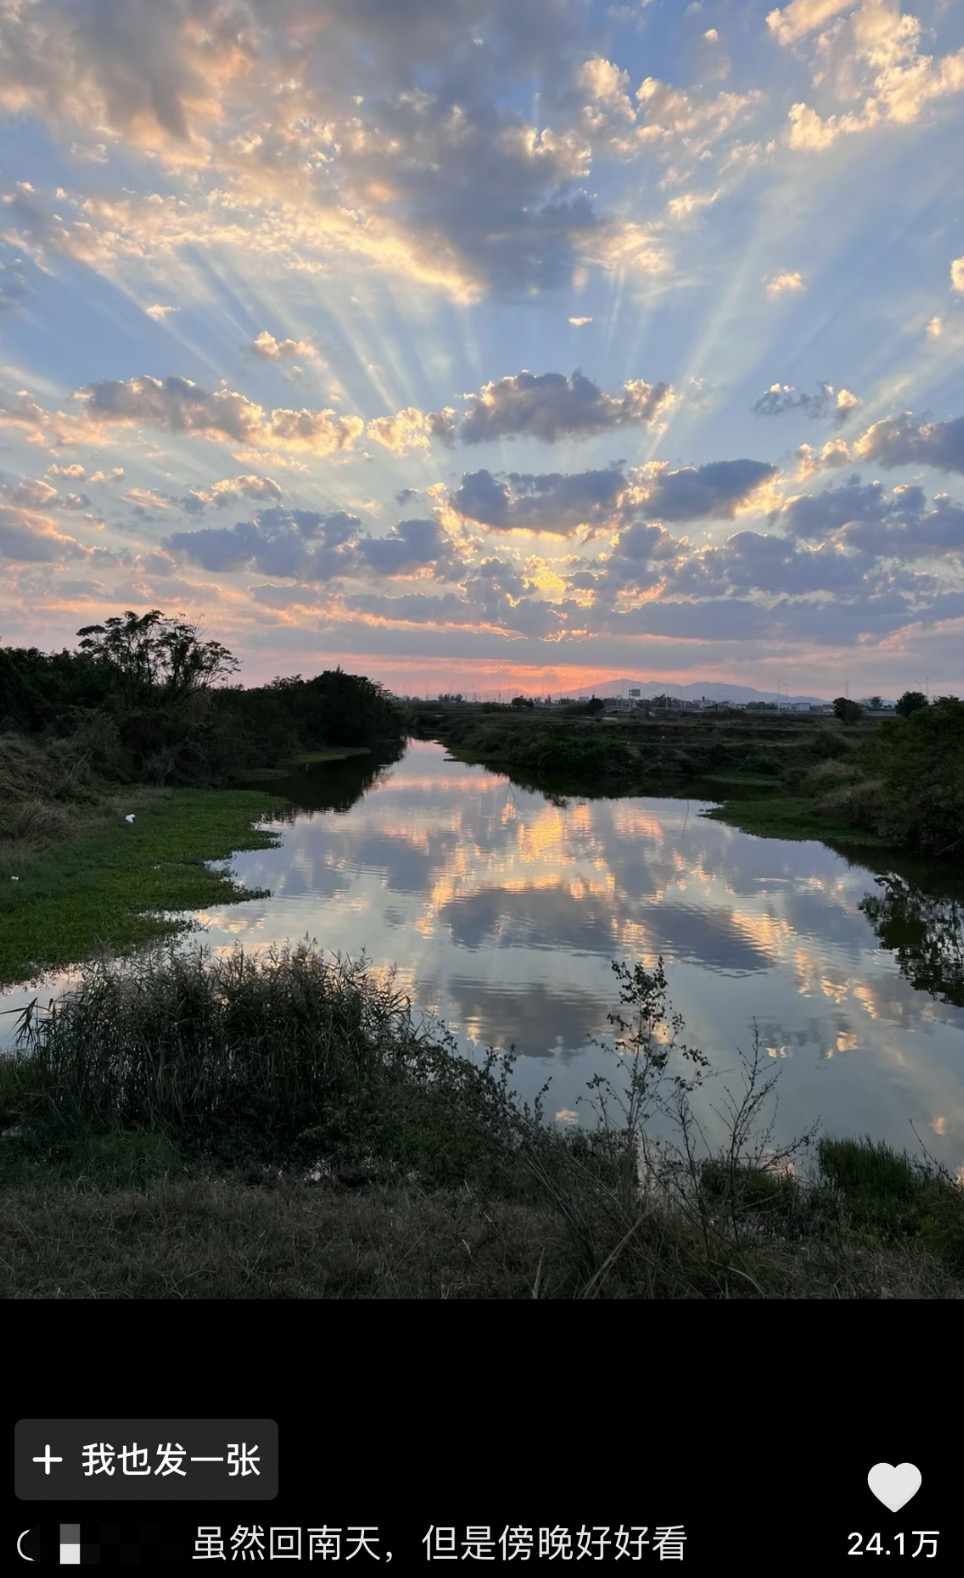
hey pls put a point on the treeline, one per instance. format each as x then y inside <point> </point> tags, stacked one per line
<point>146,698</point>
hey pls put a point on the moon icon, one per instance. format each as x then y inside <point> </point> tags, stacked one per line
<point>19,1551</point>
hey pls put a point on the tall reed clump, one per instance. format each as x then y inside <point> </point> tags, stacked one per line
<point>279,1056</point>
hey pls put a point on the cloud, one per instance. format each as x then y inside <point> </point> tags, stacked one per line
<point>875,57</point>
<point>310,546</point>
<point>298,543</point>
<point>412,545</point>
<point>934,328</point>
<point>412,429</point>
<point>177,405</point>
<point>817,515</point>
<point>228,490</point>
<point>669,116</point>
<point>717,489</point>
<point>957,274</point>
<point>783,397</point>
<point>416,608</point>
<point>269,349</point>
<point>907,440</point>
<point>801,17</point>
<point>320,432</point>
<point>328,135</point>
<point>80,66</point>
<point>159,311</point>
<point>777,284</point>
<point>640,542</point>
<point>579,323</point>
<point>550,406</point>
<point>34,494</point>
<point>911,531</point>
<point>29,538</point>
<point>882,524</point>
<point>690,203</point>
<point>833,454</point>
<point>762,562</point>
<point>555,503</point>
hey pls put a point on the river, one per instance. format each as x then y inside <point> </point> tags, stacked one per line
<point>503,909</point>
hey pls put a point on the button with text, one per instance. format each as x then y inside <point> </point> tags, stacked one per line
<point>146,1459</point>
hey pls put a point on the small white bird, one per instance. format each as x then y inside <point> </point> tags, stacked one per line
<point>14,879</point>
<point>129,818</point>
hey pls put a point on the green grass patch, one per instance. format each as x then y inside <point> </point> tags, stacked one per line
<point>784,816</point>
<point>330,753</point>
<point>290,764</point>
<point>106,888</point>
<point>887,1197</point>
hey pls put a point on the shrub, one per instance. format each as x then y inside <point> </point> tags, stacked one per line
<point>862,804</point>
<point>829,774</point>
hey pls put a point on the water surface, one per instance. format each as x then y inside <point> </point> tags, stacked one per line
<point>503,911</point>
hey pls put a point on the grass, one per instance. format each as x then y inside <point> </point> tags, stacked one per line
<point>112,885</point>
<point>791,817</point>
<point>214,1238</point>
<point>220,1238</point>
<point>279,1127</point>
<point>330,753</point>
<point>290,764</point>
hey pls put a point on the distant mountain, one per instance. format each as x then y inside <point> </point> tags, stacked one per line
<point>709,688</point>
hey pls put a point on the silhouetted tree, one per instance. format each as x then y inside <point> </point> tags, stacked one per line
<point>155,658</point>
<point>911,701</point>
<point>846,710</point>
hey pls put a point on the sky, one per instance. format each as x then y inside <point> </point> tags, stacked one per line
<point>474,345</point>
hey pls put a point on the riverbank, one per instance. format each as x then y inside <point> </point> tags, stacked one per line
<point>78,878</point>
<point>111,885</point>
<point>297,1135</point>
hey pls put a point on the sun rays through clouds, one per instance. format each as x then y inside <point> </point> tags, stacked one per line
<point>486,339</point>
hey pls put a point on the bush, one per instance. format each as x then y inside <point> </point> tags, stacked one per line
<point>828,745</point>
<point>766,762</point>
<point>829,774</point>
<point>862,804</point>
<point>888,1197</point>
<point>921,760</point>
<point>35,822</point>
<point>276,1058</point>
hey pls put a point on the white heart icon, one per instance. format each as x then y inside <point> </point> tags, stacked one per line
<point>895,1487</point>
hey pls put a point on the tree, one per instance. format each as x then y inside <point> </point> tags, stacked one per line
<point>846,710</point>
<point>156,659</point>
<point>911,701</point>
<point>594,706</point>
<point>921,761</point>
<point>873,702</point>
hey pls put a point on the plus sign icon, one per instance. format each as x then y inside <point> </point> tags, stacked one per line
<point>146,1459</point>
<point>47,1459</point>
